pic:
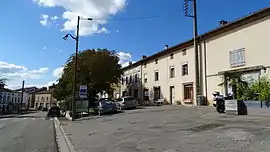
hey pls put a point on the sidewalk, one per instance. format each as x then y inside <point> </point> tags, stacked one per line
<point>8,116</point>
<point>14,115</point>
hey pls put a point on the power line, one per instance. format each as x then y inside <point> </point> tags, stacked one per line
<point>138,18</point>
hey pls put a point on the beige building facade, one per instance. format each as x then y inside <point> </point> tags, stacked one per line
<point>44,99</point>
<point>238,46</point>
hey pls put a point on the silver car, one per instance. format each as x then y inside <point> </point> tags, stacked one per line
<point>127,103</point>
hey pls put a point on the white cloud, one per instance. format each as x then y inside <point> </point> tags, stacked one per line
<point>10,68</point>
<point>16,73</point>
<point>39,71</point>
<point>44,20</point>
<point>58,72</point>
<point>54,18</point>
<point>125,58</point>
<point>44,48</point>
<point>100,10</point>
<point>19,85</point>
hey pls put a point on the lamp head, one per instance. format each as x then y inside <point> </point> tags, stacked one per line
<point>65,37</point>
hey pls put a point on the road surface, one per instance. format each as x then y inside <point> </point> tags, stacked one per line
<point>27,133</point>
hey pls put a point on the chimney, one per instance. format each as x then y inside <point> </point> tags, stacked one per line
<point>166,47</point>
<point>130,62</point>
<point>2,85</point>
<point>223,22</point>
<point>143,57</point>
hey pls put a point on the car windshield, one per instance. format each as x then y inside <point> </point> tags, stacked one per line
<point>119,99</point>
<point>106,102</point>
<point>128,99</point>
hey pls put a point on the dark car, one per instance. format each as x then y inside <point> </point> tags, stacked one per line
<point>106,106</point>
<point>44,109</point>
<point>105,99</point>
<point>54,112</point>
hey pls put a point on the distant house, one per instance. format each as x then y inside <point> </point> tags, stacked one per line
<point>44,99</point>
<point>9,100</point>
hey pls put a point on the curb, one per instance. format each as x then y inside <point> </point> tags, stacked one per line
<point>63,142</point>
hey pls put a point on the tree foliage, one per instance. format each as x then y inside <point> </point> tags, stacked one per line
<point>245,89</point>
<point>98,69</point>
<point>260,89</point>
<point>238,83</point>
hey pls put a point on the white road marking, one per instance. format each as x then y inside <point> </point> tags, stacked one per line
<point>18,119</point>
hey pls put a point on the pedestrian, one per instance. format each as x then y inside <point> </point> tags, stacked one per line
<point>267,104</point>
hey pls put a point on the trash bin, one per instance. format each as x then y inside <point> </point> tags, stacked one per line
<point>201,100</point>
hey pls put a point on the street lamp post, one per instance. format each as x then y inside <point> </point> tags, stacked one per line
<point>195,38</point>
<point>75,67</point>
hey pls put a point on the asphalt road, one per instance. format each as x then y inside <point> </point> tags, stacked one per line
<point>170,129</point>
<point>27,133</point>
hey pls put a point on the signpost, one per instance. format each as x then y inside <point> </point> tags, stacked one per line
<point>83,91</point>
<point>231,107</point>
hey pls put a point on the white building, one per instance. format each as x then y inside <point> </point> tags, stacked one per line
<point>240,46</point>
<point>9,99</point>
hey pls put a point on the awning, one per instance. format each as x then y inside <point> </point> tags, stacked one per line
<point>243,70</point>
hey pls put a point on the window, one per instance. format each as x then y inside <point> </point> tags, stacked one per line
<point>145,77</point>
<point>185,69</point>
<point>47,98</point>
<point>237,58</point>
<point>15,100</point>
<point>130,79</point>
<point>122,81</point>
<point>171,56</point>
<point>38,98</point>
<point>156,76</point>
<point>144,65</point>
<point>184,52</point>
<point>126,80</point>
<point>156,61</point>
<point>136,78</point>
<point>188,91</point>
<point>172,72</point>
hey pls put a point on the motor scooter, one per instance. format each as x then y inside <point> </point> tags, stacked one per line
<point>219,101</point>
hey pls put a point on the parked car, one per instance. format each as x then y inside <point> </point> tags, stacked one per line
<point>44,109</point>
<point>105,99</point>
<point>106,106</point>
<point>127,103</point>
<point>54,112</point>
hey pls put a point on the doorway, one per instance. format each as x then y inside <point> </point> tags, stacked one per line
<point>172,95</point>
<point>156,93</point>
<point>135,93</point>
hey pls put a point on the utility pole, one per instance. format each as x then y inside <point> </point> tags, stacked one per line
<point>22,96</point>
<point>75,72</point>
<point>76,64</point>
<point>195,35</point>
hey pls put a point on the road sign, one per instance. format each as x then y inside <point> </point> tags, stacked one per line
<point>83,91</point>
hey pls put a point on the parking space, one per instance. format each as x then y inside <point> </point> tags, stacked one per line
<point>170,129</point>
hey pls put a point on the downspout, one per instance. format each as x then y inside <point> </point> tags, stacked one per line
<point>141,96</point>
<point>205,71</point>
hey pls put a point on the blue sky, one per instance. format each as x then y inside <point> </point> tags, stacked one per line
<point>32,48</point>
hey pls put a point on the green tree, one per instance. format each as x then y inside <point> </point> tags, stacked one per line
<point>238,83</point>
<point>98,69</point>
<point>260,89</point>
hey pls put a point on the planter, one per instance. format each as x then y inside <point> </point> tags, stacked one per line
<point>235,107</point>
